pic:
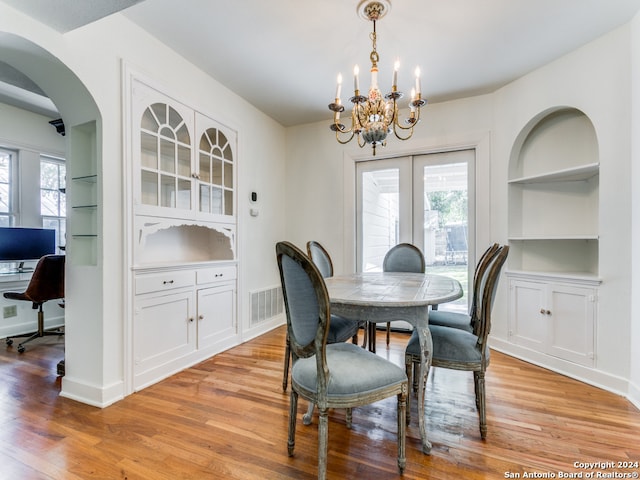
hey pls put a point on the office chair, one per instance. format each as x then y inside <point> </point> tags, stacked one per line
<point>47,283</point>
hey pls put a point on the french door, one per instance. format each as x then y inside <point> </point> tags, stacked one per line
<point>426,200</point>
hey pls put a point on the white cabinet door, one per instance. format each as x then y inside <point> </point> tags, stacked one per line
<point>164,333</point>
<point>216,315</point>
<point>572,319</point>
<point>528,325</point>
<point>555,318</point>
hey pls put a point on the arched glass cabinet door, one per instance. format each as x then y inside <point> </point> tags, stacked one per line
<point>216,171</point>
<point>165,158</point>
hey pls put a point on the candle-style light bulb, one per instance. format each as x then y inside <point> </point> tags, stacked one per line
<point>356,83</point>
<point>396,66</point>
<point>417,80</point>
<point>339,87</point>
<point>413,97</point>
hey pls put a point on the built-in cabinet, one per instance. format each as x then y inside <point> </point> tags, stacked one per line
<point>184,235</point>
<point>554,316</point>
<point>553,192</point>
<point>181,316</point>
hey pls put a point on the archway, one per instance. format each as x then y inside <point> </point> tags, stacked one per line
<point>83,125</point>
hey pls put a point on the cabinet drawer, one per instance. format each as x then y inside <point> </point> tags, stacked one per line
<point>163,281</point>
<point>215,274</point>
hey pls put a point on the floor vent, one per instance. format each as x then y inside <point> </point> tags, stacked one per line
<point>266,304</point>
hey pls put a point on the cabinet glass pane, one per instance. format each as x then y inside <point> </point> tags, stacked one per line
<point>184,194</point>
<point>148,150</point>
<point>149,188</point>
<point>228,202</point>
<point>204,170</point>
<point>160,110</point>
<point>183,135</point>
<point>216,178</point>
<point>216,200</point>
<point>167,156</point>
<point>167,191</point>
<point>184,161</point>
<point>149,121</point>
<point>228,155</point>
<point>175,120</point>
<point>204,198</point>
<point>228,175</point>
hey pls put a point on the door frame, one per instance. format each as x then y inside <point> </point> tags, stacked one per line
<point>479,141</point>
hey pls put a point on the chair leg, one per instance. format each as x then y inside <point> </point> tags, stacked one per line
<point>481,402</point>
<point>365,330</point>
<point>402,426</point>
<point>408,367</point>
<point>287,359</point>
<point>388,332</point>
<point>307,418</point>
<point>371,326</point>
<point>349,417</point>
<point>293,411</point>
<point>323,437</point>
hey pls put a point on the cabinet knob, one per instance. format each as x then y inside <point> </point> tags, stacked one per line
<point>167,282</point>
<point>191,319</point>
<point>542,311</point>
<point>548,312</point>
<point>200,317</point>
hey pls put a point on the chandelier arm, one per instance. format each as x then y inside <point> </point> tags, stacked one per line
<point>400,137</point>
<point>344,142</point>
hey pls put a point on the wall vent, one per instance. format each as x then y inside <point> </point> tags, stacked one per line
<point>266,304</point>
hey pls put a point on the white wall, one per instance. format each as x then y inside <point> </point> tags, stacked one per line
<point>634,337</point>
<point>96,367</point>
<point>594,79</point>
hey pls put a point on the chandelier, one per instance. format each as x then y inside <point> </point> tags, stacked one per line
<point>374,117</point>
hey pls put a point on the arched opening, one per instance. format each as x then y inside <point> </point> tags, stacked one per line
<point>83,147</point>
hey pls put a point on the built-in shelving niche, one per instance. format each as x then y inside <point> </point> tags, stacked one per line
<point>554,195</point>
<point>159,243</point>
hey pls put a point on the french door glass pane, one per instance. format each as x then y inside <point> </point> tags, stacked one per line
<point>445,234</point>
<point>380,214</point>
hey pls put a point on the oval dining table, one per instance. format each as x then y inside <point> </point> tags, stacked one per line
<point>382,297</point>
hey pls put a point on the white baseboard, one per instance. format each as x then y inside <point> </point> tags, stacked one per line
<point>597,378</point>
<point>96,396</point>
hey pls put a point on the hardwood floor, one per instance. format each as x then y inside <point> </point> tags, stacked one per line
<point>227,418</point>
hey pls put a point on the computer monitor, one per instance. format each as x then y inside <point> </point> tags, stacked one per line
<point>18,244</point>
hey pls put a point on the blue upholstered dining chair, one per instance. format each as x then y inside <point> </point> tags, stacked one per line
<point>340,329</point>
<point>462,320</point>
<point>339,375</point>
<point>403,257</point>
<point>461,349</point>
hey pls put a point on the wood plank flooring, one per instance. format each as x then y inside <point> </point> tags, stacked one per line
<point>226,418</point>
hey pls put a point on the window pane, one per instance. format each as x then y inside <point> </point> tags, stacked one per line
<point>4,197</point>
<point>49,202</point>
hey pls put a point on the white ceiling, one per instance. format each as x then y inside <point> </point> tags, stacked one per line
<point>283,56</point>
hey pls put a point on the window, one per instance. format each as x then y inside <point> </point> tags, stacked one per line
<point>53,205</point>
<point>6,191</point>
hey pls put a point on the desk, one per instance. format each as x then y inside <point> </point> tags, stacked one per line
<point>389,296</point>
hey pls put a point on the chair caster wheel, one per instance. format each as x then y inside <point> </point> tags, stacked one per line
<point>9,342</point>
<point>21,348</point>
